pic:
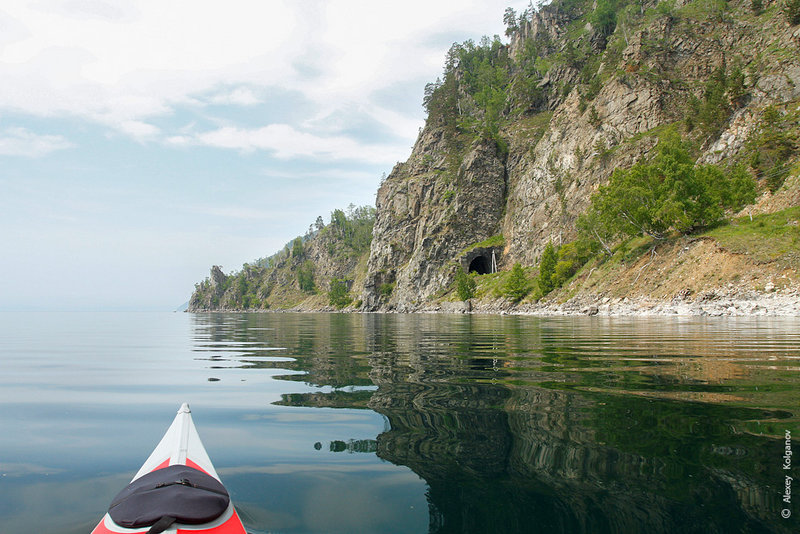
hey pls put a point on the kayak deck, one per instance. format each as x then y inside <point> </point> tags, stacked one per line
<point>180,445</point>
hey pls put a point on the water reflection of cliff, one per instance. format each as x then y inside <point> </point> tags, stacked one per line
<point>489,418</point>
<point>500,460</point>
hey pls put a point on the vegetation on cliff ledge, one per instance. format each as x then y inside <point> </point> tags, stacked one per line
<point>325,258</point>
<point>670,193</point>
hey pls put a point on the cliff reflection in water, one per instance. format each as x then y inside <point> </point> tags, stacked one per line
<point>520,424</point>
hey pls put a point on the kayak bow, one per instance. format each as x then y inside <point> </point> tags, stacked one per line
<point>176,491</point>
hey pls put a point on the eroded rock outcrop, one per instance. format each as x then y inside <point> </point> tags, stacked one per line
<point>443,200</point>
<point>429,211</point>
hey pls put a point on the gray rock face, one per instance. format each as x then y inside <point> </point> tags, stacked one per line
<point>427,214</point>
<point>551,182</point>
<point>218,278</point>
<point>216,286</point>
<point>441,200</point>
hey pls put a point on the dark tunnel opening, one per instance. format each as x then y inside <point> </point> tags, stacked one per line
<point>479,265</point>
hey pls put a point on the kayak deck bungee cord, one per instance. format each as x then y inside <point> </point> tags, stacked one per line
<point>176,491</point>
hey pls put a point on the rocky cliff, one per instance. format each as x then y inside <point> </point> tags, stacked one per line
<point>597,99</point>
<point>521,134</point>
<point>429,210</point>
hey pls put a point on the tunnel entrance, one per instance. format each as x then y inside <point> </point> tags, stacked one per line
<point>479,265</point>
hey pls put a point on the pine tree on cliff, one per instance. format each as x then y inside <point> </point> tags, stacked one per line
<point>516,286</point>
<point>547,269</point>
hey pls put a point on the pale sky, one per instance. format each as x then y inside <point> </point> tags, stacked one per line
<point>142,142</point>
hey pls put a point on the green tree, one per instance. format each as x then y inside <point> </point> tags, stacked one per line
<point>473,95</point>
<point>715,110</point>
<point>251,301</point>
<point>571,257</point>
<point>465,285</point>
<point>736,89</point>
<point>524,89</point>
<point>386,289</point>
<point>547,269</point>
<point>722,92</point>
<point>516,286</point>
<point>605,17</point>
<point>297,247</point>
<point>242,285</point>
<point>510,20</point>
<point>305,276</point>
<point>669,193</point>
<point>772,147</point>
<point>352,230</point>
<point>596,227</point>
<point>338,295</point>
<point>339,221</point>
<point>594,117</point>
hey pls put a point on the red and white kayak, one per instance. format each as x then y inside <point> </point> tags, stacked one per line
<point>177,491</point>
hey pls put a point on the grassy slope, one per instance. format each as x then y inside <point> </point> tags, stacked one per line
<point>742,255</point>
<point>772,237</point>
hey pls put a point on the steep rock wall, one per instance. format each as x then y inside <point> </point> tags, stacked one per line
<point>441,200</point>
<point>429,209</point>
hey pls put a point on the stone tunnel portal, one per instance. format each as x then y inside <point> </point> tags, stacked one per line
<point>479,265</point>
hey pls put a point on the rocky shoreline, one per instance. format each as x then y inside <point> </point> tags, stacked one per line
<point>782,303</point>
<point>709,304</point>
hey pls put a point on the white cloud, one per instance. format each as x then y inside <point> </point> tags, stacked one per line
<point>23,142</point>
<point>139,67</point>
<point>124,63</point>
<point>138,129</point>
<point>286,142</point>
<point>178,140</point>
<point>92,9</point>
<point>241,96</point>
<point>340,120</point>
<point>11,29</point>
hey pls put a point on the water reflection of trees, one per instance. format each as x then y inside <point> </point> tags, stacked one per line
<point>486,412</point>
<point>498,459</point>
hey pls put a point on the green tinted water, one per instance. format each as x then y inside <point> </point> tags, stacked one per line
<point>422,423</point>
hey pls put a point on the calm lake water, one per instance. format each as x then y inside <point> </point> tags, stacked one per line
<point>421,423</point>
